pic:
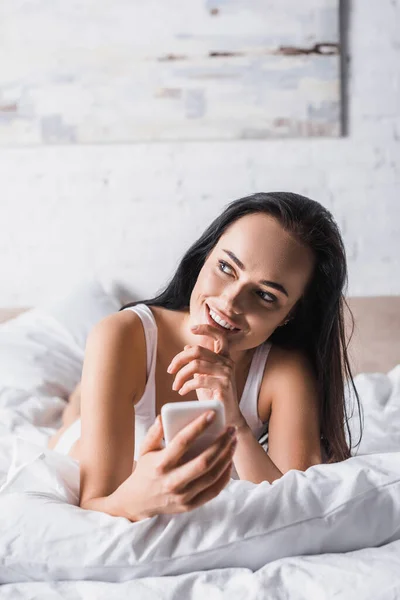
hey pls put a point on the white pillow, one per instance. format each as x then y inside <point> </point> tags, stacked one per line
<point>329,508</point>
<point>42,350</point>
<point>380,399</point>
<point>80,309</point>
<point>41,357</point>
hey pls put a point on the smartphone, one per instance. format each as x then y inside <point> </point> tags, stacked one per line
<point>176,415</point>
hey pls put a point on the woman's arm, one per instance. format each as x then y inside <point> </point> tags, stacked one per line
<point>113,379</point>
<point>114,371</point>
<point>72,409</point>
<point>76,393</point>
<point>293,428</point>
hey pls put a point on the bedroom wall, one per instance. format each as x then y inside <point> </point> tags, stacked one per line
<point>127,212</point>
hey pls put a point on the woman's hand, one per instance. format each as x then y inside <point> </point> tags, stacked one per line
<point>210,371</point>
<point>160,482</point>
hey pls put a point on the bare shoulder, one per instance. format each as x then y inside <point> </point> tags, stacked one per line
<point>121,319</point>
<point>125,325</point>
<point>284,369</point>
<point>113,377</point>
<point>293,402</point>
<point>121,336</point>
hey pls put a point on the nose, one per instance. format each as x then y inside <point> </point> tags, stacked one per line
<point>230,302</point>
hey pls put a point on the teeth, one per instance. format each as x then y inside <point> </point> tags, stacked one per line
<point>220,321</point>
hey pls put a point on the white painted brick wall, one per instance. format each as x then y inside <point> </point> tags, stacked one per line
<point>128,212</point>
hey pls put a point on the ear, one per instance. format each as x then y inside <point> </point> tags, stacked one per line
<point>292,313</point>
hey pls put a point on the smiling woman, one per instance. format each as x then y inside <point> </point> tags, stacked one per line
<point>239,291</point>
<point>252,317</point>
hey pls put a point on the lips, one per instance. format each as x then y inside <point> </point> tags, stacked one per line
<point>217,325</point>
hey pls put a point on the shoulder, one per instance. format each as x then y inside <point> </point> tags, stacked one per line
<point>282,361</point>
<point>294,411</point>
<point>120,327</point>
<point>117,342</point>
<point>288,372</point>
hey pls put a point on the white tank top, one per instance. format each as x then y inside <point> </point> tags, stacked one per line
<point>145,409</point>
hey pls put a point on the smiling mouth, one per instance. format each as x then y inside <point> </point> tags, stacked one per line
<point>211,321</point>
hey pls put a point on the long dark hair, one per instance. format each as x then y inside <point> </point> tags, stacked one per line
<point>318,326</point>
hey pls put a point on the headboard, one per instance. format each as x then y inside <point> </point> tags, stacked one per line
<point>375,344</point>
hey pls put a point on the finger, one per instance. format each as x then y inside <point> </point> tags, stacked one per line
<point>193,470</point>
<point>190,353</point>
<point>213,490</point>
<point>221,341</point>
<point>217,384</point>
<point>182,441</point>
<point>153,438</point>
<point>189,370</point>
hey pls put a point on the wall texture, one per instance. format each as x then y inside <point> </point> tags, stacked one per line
<point>127,212</point>
<point>123,71</point>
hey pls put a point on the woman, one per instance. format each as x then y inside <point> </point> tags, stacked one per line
<point>253,317</point>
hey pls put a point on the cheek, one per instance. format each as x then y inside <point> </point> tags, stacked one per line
<point>262,328</point>
<point>203,288</point>
<point>208,282</point>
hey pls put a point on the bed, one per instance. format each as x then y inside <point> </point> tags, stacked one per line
<point>332,532</point>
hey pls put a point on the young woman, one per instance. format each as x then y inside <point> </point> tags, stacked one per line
<point>253,317</point>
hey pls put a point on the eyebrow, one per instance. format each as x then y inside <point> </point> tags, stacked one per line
<point>241,266</point>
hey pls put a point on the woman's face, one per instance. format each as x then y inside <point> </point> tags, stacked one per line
<point>253,277</point>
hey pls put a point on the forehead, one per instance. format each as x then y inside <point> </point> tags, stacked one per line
<point>264,248</point>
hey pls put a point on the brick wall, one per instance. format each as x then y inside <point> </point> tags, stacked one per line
<point>127,212</point>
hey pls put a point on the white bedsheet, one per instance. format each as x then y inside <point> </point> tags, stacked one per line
<point>365,573</point>
<point>368,574</point>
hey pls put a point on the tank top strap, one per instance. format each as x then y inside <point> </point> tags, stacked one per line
<point>249,400</point>
<point>150,332</point>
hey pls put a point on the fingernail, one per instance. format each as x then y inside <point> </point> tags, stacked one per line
<point>231,431</point>
<point>194,327</point>
<point>210,416</point>
<point>169,369</point>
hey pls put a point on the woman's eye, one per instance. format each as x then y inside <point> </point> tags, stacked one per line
<point>222,265</point>
<point>269,298</point>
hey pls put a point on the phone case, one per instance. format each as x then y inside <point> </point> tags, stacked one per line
<point>176,415</point>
